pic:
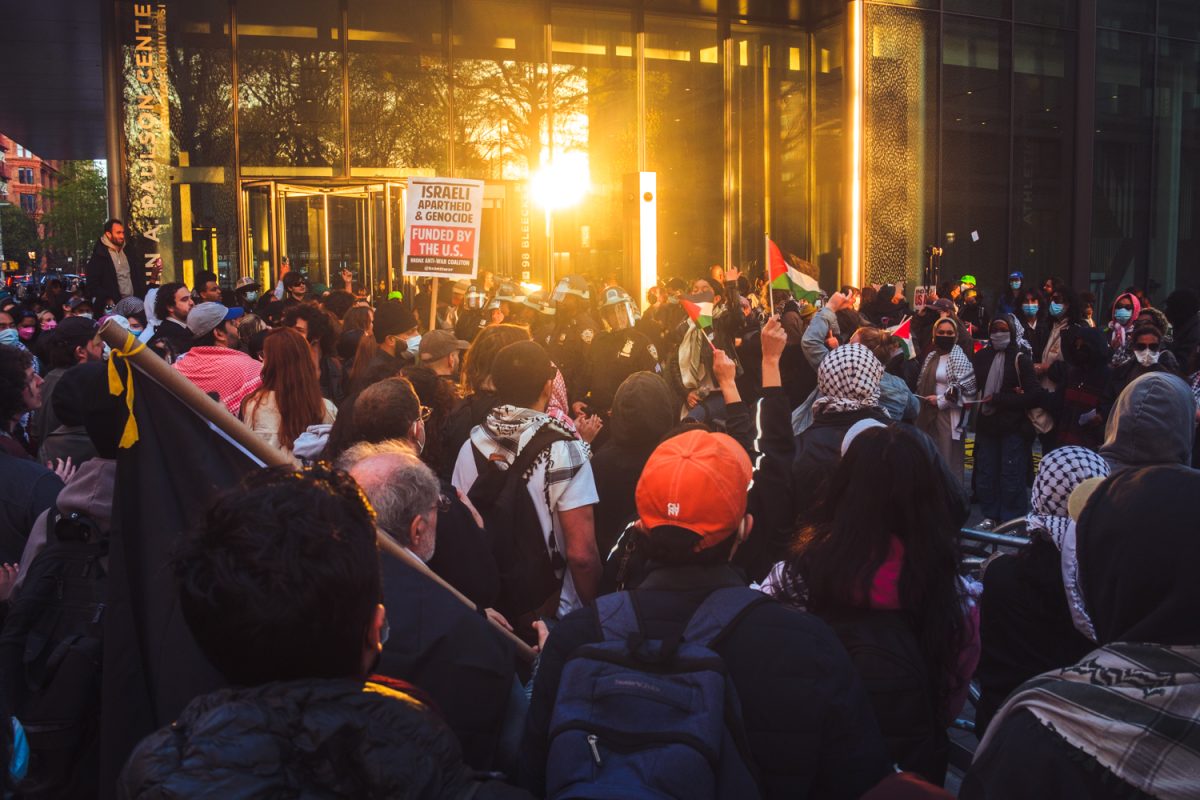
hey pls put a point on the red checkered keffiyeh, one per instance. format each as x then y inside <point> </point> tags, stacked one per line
<point>230,373</point>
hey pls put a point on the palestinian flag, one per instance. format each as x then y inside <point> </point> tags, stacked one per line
<point>699,308</point>
<point>904,332</point>
<point>787,278</point>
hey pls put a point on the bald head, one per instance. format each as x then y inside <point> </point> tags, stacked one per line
<point>402,489</point>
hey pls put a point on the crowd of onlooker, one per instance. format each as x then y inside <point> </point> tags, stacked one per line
<point>723,522</point>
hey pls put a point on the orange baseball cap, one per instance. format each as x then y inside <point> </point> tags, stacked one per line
<point>697,481</point>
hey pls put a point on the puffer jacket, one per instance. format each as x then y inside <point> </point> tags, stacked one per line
<point>307,738</point>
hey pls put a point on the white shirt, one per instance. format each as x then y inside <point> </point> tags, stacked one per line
<point>564,496</point>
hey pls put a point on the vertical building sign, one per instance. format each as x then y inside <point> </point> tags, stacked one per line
<point>148,135</point>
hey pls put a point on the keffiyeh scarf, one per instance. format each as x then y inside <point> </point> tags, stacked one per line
<point>1060,472</point>
<point>1134,708</point>
<point>848,380</point>
<point>508,429</point>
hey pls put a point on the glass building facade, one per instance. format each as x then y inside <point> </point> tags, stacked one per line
<point>1054,137</point>
<point>1058,137</point>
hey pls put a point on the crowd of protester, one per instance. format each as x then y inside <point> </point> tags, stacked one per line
<point>730,536</point>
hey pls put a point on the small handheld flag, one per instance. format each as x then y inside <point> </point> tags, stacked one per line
<point>699,308</point>
<point>787,278</point>
<point>903,332</point>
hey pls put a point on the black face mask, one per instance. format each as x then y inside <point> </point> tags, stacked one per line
<point>944,344</point>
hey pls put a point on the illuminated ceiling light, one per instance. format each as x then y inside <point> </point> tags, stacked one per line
<point>561,183</point>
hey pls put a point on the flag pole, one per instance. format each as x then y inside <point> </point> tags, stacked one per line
<point>120,340</point>
<point>393,548</point>
<point>767,262</point>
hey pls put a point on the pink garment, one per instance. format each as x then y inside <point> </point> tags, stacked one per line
<point>1121,332</point>
<point>230,373</point>
<point>885,595</point>
<point>885,586</point>
<point>559,398</point>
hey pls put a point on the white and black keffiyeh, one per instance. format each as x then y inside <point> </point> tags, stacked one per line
<point>1060,472</point>
<point>848,380</point>
<point>1134,708</point>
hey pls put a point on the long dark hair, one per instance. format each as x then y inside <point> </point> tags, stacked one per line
<point>886,485</point>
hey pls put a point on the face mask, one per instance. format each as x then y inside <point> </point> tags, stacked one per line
<point>86,315</point>
<point>1000,341</point>
<point>25,333</point>
<point>50,325</point>
<point>10,337</point>
<point>1146,357</point>
<point>1123,315</point>
<point>251,297</point>
<point>1057,309</point>
<point>1016,285</point>
<point>944,344</point>
<point>414,345</point>
<point>1031,309</point>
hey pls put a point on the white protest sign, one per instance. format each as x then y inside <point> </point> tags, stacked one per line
<point>441,232</point>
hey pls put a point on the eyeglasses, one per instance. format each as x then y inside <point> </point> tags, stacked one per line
<point>1140,346</point>
<point>443,504</point>
<point>426,413</point>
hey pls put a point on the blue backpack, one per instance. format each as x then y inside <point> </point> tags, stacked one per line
<point>640,717</point>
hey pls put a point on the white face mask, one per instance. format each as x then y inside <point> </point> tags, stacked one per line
<point>1146,357</point>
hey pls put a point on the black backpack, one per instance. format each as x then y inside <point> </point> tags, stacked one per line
<point>51,654</point>
<point>530,571</point>
<point>888,659</point>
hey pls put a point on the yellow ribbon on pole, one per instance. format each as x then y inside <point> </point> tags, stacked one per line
<point>116,385</point>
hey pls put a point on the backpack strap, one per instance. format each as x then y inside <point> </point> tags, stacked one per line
<point>617,617</point>
<point>720,611</point>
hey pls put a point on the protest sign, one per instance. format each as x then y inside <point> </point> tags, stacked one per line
<point>441,233</point>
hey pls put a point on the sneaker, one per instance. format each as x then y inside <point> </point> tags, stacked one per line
<point>986,525</point>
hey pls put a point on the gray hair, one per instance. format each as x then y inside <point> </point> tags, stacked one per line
<point>396,482</point>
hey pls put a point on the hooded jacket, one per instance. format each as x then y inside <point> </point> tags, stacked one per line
<point>642,413</point>
<point>307,738</point>
<point>1153,422</point>
<point>1121,722</point>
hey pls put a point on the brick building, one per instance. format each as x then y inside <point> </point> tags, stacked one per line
<point>23,176</point>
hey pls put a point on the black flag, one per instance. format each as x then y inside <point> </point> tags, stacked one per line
<point>152,666</point>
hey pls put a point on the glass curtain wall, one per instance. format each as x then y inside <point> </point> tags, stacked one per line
<point>1147,164</point>
<point>204,195</point>
<point>970,109</point>
<point>276,107</point>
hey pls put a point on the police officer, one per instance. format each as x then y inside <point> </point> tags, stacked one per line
<point>537,313</point>
<point>618,352</point>
<point>471,319</point>
<point>574,331</point>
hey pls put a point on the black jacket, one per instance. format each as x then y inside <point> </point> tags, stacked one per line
<point>452,653</point>
<point>26,490</point>
<point>810,729</point>
<point>819,449</point>
<point>102,276</point>
<point>1028,759</point>
<point>471,412</point>
<point>1186,343</point>
<point>171,338</point>
<point>1025,625</point>
<point>764,429</point>
<point>309,738</point>
<point>1010,405</point>
<point>463,557</point>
